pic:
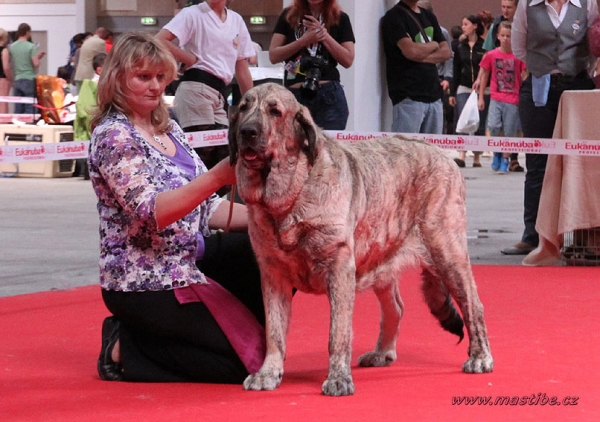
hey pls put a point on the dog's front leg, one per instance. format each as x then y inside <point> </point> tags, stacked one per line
<point>341,282</point>
<point>278,300</point>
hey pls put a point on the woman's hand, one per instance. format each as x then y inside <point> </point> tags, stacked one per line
<point>239,218</point>
<point>452,101</point>
<point>315,31</point>
<point>224,172</point>
<point>187,58</point>
<point>175,204</point>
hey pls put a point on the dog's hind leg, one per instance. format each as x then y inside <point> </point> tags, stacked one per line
<point>392,309</point>
<point>443,227</point>
<point>451,267</point>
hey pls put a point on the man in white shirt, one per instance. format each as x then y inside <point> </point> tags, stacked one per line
<point>214,45</point>
<point>557,56</point>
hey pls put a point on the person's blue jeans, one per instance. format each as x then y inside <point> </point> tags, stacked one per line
<point>329,108</point>
<point>416,117</point>
<point>24,88</point>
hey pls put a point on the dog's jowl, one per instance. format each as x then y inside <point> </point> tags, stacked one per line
<point>332,218</point>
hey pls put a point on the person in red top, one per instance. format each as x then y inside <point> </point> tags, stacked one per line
<point>109,40</point>
<point>505,71</point>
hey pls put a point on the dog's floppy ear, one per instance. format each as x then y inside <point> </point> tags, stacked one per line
<point>232,136</point>
<point>308,132</point>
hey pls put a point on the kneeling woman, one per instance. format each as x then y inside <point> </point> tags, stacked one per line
<point>312,37</point>
<point>186,303</point>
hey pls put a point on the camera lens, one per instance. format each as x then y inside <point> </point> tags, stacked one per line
<point>309,88</point>
<point>311,84</point>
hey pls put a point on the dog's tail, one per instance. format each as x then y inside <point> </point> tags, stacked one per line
<point>440,303</point>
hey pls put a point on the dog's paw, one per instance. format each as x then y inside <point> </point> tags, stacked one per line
<point>263,380</point>
<point>377,359</point>
<point>479,365</point>
<point>342,386</point>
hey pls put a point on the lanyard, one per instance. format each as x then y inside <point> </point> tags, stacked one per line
<point>313,48</point>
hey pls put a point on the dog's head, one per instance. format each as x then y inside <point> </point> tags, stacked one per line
<point>270,124</point>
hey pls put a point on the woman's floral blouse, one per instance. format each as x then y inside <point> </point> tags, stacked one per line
<point>127,174</point>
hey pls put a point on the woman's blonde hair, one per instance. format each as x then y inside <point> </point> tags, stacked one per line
<point>3,36</point>
<point>132,51</point>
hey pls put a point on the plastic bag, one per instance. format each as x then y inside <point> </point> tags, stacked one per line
<point>468,121</point>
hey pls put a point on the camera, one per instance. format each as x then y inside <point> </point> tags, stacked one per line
<point>312,66</point>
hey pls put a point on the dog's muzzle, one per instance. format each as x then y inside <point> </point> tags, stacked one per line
<point>250,146</point>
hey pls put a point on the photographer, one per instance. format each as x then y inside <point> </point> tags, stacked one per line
<point>312,37</point>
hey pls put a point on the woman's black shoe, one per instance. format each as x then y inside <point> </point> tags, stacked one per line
<point>460,163</point>
<point>108,369</point>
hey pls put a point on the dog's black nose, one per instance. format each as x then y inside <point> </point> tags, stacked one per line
<point>249,132</point>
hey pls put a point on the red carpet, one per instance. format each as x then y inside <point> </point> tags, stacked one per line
<point>543,326</point>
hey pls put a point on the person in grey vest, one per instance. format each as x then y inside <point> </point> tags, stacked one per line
<point>551,38</point>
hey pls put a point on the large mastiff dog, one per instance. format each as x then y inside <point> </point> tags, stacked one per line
<point>332,218</point>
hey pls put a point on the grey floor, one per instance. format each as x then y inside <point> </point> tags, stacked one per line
<point>49,228</point>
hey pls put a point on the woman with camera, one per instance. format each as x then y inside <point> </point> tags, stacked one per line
<point>312,37</point>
